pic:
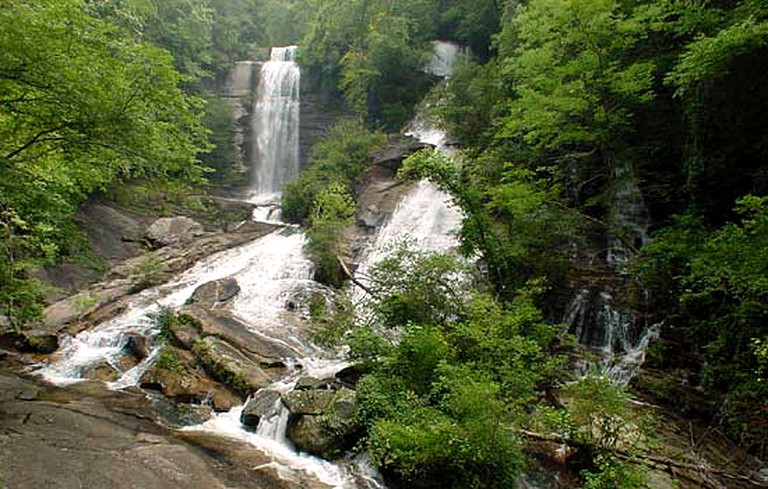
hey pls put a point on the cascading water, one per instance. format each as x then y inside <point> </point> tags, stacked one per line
<point>615,331</point>
<point>444,56</point>
<point>271,272</point>
<point>268,270</point>
<point>424,218</point>
<point>275,127</point>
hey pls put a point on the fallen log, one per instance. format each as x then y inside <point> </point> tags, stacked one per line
<point>352,278</point>
<point>678,468</point>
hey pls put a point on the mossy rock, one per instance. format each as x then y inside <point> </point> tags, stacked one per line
<point>226,364</point>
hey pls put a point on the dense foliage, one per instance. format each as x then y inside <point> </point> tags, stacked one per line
<point>586,124</point>
<point>322,197</point>
<point>607,96</point>
<point>82,107</point>
<point>375,51</point>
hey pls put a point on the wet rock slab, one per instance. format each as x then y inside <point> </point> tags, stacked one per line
<point>173,230</point>
<point>215,293</point>
<point>261,404</point>
<point>87,436</point>
<point>175,375</point>
<point>230,366</point>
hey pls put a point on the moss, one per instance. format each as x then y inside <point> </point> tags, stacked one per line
<point>232,377</point>
<point>170,360</point>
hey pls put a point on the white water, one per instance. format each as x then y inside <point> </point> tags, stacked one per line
<point>270,437</point>
<point>425,218</point>
<point>275,127</point>
<point>271,272</point>
<point>444,56</point>
<point>620,343</point>
<point>267,269</point>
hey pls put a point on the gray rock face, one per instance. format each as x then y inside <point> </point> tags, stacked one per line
<point>229,365</point>
<point>69,439</point>
<point>215,293</point>
<point>172,230</point>
<point>313,402</point>
<point>111,233</point>
<point>237,334</point>
<point>322,421</point>
<point>175,375</point>
<point>259,405</point>
<point>102,371</point>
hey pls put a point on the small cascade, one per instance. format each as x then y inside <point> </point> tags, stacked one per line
<point>629,219</point>
<point>275,425</point>
<point>425,217</point>
<point>268,270</point>
<point>275,129</point>
<point>619,338</point>
<point>603,312</point>
<point>271,439</point>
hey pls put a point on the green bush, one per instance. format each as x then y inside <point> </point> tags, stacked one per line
<point>340,157</point>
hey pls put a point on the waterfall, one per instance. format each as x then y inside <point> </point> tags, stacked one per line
<point>424,218</point>
<point>602,313</point>
<point>269,270</point>
<point>444,56</point>
<point>275,126</point>
<point>628,219</point>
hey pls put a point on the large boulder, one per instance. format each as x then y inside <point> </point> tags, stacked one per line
<point>322,422</point>
<point>215,293</point>
<point>172,230</point>
<point>313,402</point>
<point>261,404</point>
<point>229,365</point>
<point>175,375</point>
<point>223,325</point>
<point>112,234</point>
<point>102,371</point>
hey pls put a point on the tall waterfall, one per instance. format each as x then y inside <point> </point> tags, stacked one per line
<point>275,125</point>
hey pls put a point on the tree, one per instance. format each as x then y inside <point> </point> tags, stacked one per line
<point>334,210</point>
<point>82,107</point>
<point>371,51</point>
<point>715,281</point>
